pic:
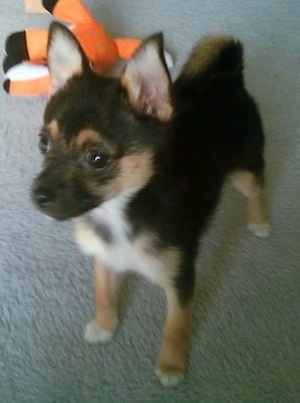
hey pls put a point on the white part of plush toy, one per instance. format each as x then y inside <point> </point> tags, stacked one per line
<point>24,71</point>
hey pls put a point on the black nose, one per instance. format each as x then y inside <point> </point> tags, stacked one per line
<point>42,198</point>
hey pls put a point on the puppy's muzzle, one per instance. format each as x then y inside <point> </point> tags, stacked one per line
<point>58,200</point>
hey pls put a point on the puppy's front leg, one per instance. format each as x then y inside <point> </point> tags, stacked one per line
<point>102,327</point>
<point>172,359</point>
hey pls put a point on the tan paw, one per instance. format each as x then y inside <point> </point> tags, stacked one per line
<point>262,230</point>
<point>95,334</point>
<point>169,379</point>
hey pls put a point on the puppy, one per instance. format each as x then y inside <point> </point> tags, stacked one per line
<point>138,163</point>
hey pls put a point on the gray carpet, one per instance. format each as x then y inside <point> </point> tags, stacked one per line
<point>246,321</point>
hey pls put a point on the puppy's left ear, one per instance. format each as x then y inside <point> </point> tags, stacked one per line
<point>147,80</point>
<point>65,56</point>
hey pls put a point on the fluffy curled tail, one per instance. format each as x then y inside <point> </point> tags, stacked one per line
<point>216,57</point>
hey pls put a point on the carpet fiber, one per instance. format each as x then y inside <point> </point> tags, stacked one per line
<point>246,319</point>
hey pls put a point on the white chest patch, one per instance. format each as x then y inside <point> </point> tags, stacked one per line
<point>117,250</point>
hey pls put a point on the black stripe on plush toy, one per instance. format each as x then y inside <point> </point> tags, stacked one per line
<point>49,5</point>
<point>8,63</point>
<point>6,85</point>
<point>15,46</point>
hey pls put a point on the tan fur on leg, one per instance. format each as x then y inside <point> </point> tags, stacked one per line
<point>101,328</point>
<point>249,185</point>
<point>172,360</point>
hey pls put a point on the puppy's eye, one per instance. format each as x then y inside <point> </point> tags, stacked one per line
<point>96,159</point>
<point>45,142</point>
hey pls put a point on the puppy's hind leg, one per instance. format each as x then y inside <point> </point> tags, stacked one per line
<point>103,325</point>
<point>250,185</point>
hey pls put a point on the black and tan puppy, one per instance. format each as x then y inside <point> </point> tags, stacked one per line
<point>138,163</point>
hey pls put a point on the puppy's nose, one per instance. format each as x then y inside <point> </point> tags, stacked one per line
<point>43,198</point>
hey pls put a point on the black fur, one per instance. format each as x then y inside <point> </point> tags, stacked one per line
<point>216,129</point>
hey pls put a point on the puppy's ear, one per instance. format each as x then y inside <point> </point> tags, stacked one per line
<point>147,80</point>
<point>65,56</point>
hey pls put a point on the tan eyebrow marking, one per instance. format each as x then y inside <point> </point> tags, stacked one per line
<point>53,129</point>
<point>86,136</point>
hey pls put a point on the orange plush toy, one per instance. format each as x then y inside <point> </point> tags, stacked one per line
<point>26,65</point>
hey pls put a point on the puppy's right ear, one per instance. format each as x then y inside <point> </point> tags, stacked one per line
<point>147,80</point>
<point>65,56</point>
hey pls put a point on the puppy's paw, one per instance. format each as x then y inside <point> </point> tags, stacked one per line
<point>95,334</point>
<point>169,379</point>
<point>262,230</point>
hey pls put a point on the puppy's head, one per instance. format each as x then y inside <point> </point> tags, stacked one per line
<point>100,134</point>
